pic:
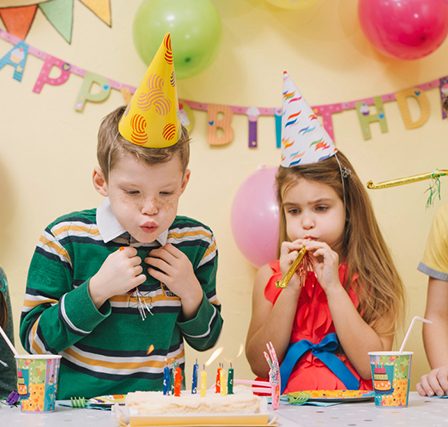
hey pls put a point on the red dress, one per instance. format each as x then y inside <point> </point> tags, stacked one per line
<point>313,322</point>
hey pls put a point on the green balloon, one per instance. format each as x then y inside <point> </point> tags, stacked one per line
<point>195,28</point>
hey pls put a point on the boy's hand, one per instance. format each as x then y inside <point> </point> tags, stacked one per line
<point>172,267</point>
<point>434,383</point>
<point>120,272</point>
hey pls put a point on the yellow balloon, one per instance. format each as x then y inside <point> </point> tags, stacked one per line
<point>292,4</point>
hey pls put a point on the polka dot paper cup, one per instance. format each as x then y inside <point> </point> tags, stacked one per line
<point>37,381</point>
<point>391,372</point>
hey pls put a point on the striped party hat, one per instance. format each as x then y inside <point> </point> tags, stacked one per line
<point>151,118</point>
<point>304,139</point>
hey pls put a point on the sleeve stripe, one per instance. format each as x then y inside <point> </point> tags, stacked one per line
<point>215,311</point>
<point>35,344</point>
<point>68,321</point>
<point>49,245</point>
<point>73,228</point>
<point>208,256</point>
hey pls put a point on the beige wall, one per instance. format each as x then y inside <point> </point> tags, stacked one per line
<point>47,150</point>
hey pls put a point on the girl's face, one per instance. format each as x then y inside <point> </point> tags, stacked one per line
<point>313,210</point>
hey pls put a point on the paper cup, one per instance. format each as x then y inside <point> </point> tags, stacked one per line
<point>37,381</point>
<point>391,373</point>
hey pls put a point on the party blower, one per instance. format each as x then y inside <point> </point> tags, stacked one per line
<point>391,373</point>
<point>433,189</point>
<point>283,283</point>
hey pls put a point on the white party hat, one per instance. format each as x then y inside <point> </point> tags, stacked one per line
<point>304,139</point>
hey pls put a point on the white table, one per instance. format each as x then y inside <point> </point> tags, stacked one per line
<point>421,412</point>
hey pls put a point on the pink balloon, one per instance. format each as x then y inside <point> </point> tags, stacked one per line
<point>404,29</point>
<point>255,217</point>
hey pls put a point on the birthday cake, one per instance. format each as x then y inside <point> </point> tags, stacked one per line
<point>153,408</point>
<point>152,402</point>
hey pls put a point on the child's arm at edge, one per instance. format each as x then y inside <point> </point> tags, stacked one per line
<point>435,338</point>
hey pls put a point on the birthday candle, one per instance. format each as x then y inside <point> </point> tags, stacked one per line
<point>177,381</point>
<point>218,381</point>
<point>172,379</point>
<point>194,381</point>
<point>223,381</point>
<point>230,380</point>
<point>166,381</point>
<point>203,382</point>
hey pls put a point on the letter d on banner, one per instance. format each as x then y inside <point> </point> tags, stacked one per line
<point>422,102</point>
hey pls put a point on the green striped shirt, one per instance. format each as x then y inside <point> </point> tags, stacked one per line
<point>8,377</point>
<point>104,351</point>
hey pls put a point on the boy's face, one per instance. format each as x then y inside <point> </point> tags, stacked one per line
<point>143,197</point>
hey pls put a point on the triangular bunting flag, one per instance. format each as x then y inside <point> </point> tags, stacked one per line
<point>20,3</point>
<point>18,20</point>
<point>60,14</point>
<point>101,8</point>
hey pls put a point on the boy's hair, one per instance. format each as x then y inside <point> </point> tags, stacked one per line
<point>363,248</point>
<point>111,145</point>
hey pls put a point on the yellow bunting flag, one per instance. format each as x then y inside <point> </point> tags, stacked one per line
<point>151,118</point>
<point>101,8</point>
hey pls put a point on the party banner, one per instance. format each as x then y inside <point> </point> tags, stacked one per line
<point>97,88</point>
<point>18,15</point>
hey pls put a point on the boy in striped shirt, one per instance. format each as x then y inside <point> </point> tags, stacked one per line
<point>116,290</point>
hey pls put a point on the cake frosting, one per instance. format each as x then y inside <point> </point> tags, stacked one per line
<point>149,403</point>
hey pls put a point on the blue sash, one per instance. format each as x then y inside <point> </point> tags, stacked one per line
<point>324,351</point>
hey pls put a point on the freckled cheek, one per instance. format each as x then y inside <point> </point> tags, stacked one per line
<point>127,204</point>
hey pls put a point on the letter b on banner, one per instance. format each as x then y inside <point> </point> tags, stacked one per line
<point>220,130</point>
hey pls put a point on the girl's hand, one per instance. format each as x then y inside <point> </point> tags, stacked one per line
<point>434,383</point>
<point>120,272</point>
<point>174,269</point>
<point>325,262</point>
<point>288,253</point>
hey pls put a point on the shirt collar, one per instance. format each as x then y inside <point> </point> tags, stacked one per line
<point>110,228</point>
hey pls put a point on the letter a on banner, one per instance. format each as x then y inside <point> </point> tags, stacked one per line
<point>366,118</point>
<point>220,130</point>
<point>16,57</point>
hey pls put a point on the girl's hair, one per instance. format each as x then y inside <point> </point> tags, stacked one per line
<point>111,145</point>
<point>363,246</point>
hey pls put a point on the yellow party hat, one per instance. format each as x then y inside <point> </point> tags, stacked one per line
<point>151,119</point>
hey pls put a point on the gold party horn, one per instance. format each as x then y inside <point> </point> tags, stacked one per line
<point>292,269</point>
<point>407,180</point>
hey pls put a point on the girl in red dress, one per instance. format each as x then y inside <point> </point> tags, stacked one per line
<point>324,323</point>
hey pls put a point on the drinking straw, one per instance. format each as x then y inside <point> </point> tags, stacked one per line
<point>410,328</point>
<point>5,337</point>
